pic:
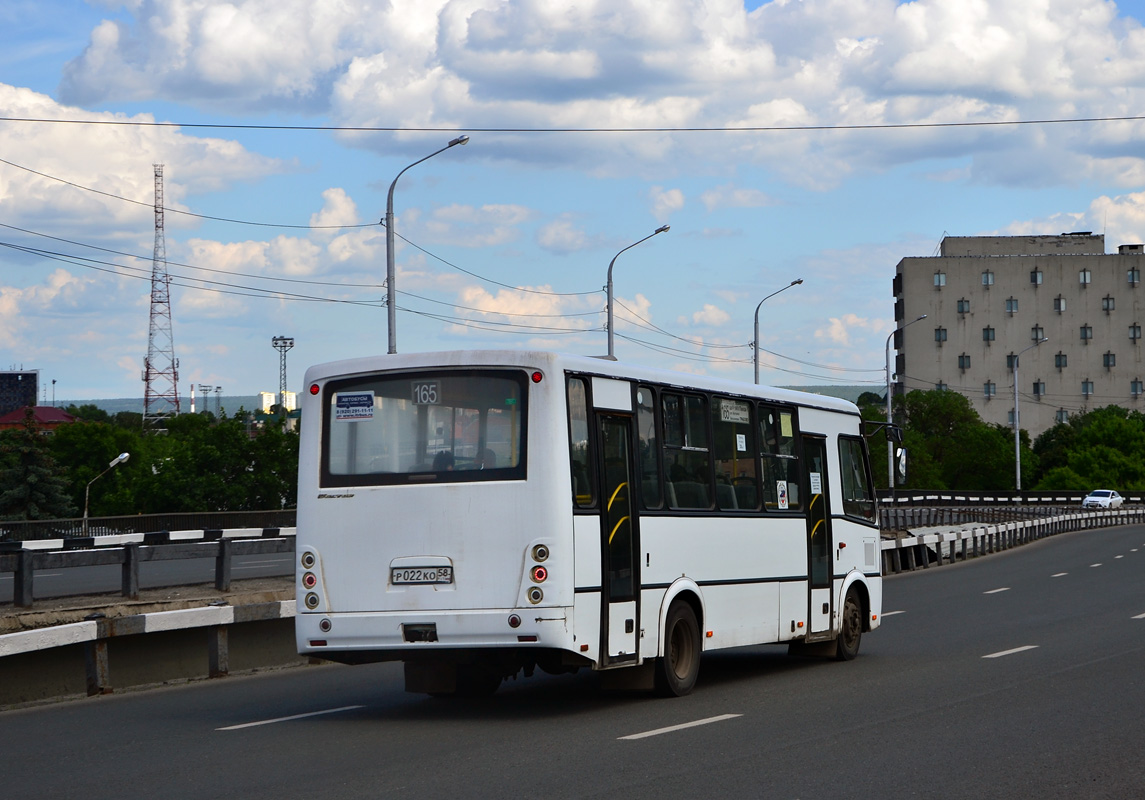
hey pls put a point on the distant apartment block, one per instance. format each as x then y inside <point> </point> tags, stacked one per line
<point>989,298</point>
<point>268,399</point>
<point>18,389</point>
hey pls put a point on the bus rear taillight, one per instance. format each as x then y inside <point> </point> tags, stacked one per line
<point>309,580</point>
<point>539,574</point>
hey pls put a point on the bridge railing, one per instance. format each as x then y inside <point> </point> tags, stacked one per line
<point>32,530</point>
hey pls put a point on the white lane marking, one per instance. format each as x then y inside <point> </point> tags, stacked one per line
<point>673,728</point>
<point>1011,652</point>
<point>1140,616</point>
<point>995,591</point>
<point>1059,575</point>
<point>1098,564</point>
<point>892,613</point>
<point>287,719</point>
<point>1117,557</point>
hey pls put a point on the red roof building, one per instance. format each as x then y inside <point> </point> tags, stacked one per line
<point>48,418</point>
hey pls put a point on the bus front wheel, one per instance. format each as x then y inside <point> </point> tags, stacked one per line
<point>851,631</point>
<point>677,670</point>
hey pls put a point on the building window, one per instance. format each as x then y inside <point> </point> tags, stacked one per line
<point>1012,305</point>
<point>1037,333</point>
<point>1134,333</point>
<point>1061,416</point>
<point>988,277</point>
<point>940,335</point>
<point>939,280</point>
<point>1109,360</point>
<point>1010,417</point>
<point>940,387</point>
<point>1134,277</point>
<point>1086,332</point>
<point>963,306</point>
<point>989,389</point>
<point>1136,388</point>
<point>1036,277</point>
<point>1060,360</point>
<point>1107,304</point>
<point>1039,389</point>
<point>1059,304</point>
<point>1087,388</point>
<point>1085,277</point>
<point>964,361</point>
<point>1010,359</point>
<point>988,334</point>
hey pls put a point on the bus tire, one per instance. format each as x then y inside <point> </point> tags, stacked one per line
<point>851,629</point>
<point>677,671</point>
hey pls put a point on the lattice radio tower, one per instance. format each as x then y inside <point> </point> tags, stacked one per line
<point>161,368</point>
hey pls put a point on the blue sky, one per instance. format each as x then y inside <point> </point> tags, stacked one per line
<point>520,226</point>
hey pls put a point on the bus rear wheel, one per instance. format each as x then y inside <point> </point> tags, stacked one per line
<point>677,670</point>
<point>851,631</point>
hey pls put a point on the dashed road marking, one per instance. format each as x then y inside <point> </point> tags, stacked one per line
<point>287,719</point>
<point>1011,652</point>
<point>673,728</point>
<point>892,613</point>
<point>1059,574</point>
<point>995,591</point>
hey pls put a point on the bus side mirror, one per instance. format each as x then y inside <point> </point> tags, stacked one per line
<point>894,434</point>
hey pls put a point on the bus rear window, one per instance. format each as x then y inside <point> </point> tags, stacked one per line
<point>445,426</point>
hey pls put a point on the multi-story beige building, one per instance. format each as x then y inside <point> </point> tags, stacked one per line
<point>989,298</point>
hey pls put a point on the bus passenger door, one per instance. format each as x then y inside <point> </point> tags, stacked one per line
<point>619,531</point>
<point>818,534</point>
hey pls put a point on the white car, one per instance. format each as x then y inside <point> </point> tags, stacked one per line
<point>1102,498</point>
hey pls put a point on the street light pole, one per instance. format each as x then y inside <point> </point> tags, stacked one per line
<point>119,459</point>
<point>890,420</point>
<point>755,346</point>
<point>391,291</point>
<point>1017,450</point>
<point>608,286</point>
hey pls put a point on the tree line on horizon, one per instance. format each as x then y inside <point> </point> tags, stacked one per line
<point>950,448</point>
<point>198,464</point>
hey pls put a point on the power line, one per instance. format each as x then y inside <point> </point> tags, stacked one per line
<point>653,129</point>
<point>179,211</point>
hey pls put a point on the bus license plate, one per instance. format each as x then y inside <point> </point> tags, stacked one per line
<point>421,575</point>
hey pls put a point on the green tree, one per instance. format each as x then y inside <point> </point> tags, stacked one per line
<point>31,486</point>
<point>1105,447</point>
<point>83,451</point>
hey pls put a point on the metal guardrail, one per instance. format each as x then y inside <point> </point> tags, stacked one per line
<point>922,550</point>
<point>30,530</point>
<point>131,549</point>
<point>945,497</point>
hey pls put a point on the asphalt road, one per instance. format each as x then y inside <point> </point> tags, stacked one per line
<point>1018,675</point>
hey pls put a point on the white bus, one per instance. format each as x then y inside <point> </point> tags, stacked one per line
<point>476,514</point>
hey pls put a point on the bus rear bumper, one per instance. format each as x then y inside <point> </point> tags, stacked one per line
<point>401,634</point>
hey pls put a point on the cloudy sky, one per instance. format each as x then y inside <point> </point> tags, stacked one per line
<point>779,140</point>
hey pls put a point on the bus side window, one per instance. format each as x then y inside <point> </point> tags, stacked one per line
<point>687,459</point>
<point>737,481</point>
<point>650,493</point>
<point>580,458</point>
<point>778,459</point>
<point>858,499</point>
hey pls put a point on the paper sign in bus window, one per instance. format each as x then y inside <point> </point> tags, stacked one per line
<point>816,483</point>
<point>741,442</point>
<point>781,493</point>
<point>353,406</point>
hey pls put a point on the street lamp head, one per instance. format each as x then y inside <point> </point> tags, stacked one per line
<point>797,281</point>
<point>462,139</point>
<point>663,229</point>
<point>921,318</point>
<point>119,459</point>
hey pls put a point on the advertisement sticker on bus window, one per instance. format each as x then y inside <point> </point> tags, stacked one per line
<point>781,493</point>
<point>741,442</point>
<point>353,406</point>
<point>734,411</point>
<point>785,425</point>
<point>816,483</point>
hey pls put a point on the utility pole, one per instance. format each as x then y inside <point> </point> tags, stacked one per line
<point>282,344</point>
<point>160,368</point>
